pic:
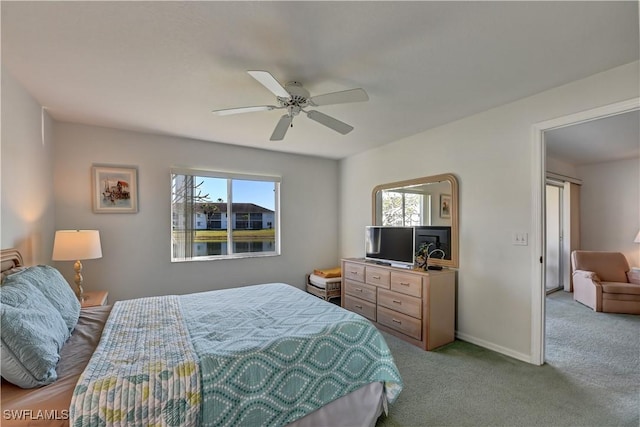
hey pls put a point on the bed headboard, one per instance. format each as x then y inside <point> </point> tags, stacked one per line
<point>10,258</point>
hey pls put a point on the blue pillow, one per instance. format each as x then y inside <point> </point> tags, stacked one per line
<point>54,287</point>
<point>33,332</point>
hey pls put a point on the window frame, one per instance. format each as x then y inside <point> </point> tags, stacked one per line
<point>230,177</point>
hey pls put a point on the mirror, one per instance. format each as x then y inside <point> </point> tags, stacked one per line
<point>431,200</point>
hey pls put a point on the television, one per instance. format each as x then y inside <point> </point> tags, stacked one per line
<point>390,245</point>
<point>439,237</point>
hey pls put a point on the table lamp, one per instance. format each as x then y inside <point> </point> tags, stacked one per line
<point>637,239</point>
<point>70,245</point>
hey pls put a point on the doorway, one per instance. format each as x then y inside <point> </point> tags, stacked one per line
<point>554,277</point>
<point>539,212</point>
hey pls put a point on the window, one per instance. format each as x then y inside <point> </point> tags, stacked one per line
<point>217,215</point>
<point>403,208</point>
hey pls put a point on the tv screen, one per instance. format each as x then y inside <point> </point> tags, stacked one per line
<point>390,245</point>
<point>438,236</point>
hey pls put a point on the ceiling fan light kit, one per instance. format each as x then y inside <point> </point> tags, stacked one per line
<point>295,98</point>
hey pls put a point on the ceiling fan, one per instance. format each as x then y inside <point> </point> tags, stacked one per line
<point>293,98</point>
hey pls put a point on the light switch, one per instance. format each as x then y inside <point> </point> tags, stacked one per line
<point>520,239</point>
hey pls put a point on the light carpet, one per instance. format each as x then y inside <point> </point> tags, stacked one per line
<point>591,377</point>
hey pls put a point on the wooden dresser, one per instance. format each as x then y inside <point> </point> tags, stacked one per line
<point>416,306</point>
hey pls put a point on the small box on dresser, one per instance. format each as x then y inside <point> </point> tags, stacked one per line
<point>416,306</point>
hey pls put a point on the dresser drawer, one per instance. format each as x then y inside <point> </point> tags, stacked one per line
<point>405,283</point>
<point>400,322</point>
<point>378,276</point>
<point>353,271</point>
<point>360,290</point>
<point>406,304</point>
<point>362,307</point>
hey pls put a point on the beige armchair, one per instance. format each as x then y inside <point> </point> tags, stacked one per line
<point>600,281</point>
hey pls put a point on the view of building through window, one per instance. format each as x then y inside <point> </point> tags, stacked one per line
<point>223,216</point>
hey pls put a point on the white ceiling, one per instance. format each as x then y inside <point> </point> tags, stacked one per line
<point>603,140</point>
<point>162,67</point>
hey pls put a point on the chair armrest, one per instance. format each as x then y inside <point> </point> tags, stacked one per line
<point>587,289</point>
<point>633,276</point>
<point>586,275</point>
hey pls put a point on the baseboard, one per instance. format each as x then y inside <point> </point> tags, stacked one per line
<point>493,347</point>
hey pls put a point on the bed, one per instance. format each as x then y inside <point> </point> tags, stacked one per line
<point>266,354</point>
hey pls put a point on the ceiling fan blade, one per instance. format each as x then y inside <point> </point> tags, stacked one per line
<point>281,128</point>
<point>351,95</point>
<point>268,81</point>
<point>229,111</point>
<point>330,122</point>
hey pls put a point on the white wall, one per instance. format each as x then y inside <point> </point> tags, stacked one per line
<point>490,153</point>
<point>610,207</point>
<point>27,175</point>
<point>559,167</point>
<point>136,247</point>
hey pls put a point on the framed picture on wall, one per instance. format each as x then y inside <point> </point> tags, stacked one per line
<point>445,205</point>
<point>115,189</point>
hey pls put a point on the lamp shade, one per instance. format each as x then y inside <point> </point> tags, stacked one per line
<point>637,239</point>
<point>72,245</point>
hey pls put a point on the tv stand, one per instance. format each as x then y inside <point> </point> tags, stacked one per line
<point>403,266</point>
<point>414,305</point>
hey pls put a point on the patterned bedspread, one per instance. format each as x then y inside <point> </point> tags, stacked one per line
<point>144,371</point>
<point>262,355</point>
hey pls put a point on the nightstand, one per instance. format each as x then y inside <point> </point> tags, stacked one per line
<point>95,298</point>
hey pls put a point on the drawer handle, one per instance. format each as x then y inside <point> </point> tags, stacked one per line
<point>354,272</point>
<point>397,321</point>
<point>358,306</point>
<point>376,277</point>
<point>358,289</point>
<point>397,302</point>
<point>405,284</point>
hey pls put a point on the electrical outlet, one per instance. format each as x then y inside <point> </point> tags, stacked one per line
<point>520,239</point>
